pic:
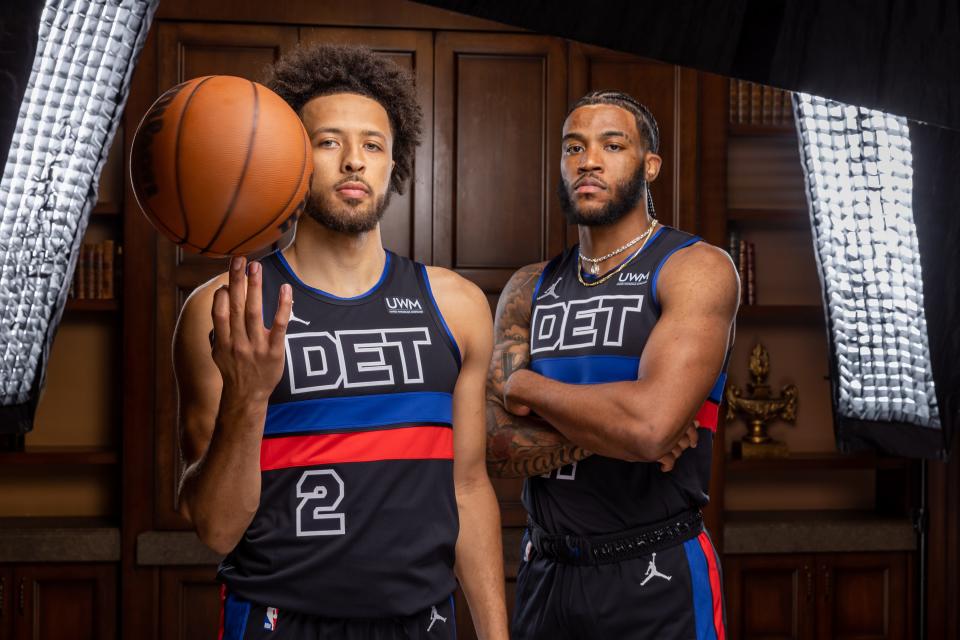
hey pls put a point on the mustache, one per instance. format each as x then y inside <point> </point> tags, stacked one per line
<point>354,178</point>
<point>592,178</point>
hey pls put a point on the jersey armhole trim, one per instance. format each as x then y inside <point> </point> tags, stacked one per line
<point>454,347</point>
<point>656,274</point>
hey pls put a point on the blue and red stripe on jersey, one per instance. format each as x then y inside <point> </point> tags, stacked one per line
<point>601,369</point>
<point>371,428</point>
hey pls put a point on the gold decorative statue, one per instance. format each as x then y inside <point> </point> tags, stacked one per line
<point>759,408</point>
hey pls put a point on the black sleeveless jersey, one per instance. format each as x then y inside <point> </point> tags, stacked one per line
<point>592,335</point>
<point>358,515</point>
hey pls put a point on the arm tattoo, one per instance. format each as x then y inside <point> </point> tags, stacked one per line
<point>519,446</point>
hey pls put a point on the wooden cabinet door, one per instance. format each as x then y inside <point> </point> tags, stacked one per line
<point>189,603</point>
<point>770,596</point>
<point>862,596</point>
<point>406,224</point>
<point>186,51</point>
<point>66,602</point>
<point>500,103</point>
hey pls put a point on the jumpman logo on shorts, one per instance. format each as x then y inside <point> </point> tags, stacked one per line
<point>434,617</point>
<point>652,572</point>
<point>552,291</point>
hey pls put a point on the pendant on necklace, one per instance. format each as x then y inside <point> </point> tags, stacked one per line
<point>594,269</point>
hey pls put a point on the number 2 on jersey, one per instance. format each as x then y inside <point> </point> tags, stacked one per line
<point>320,492</point>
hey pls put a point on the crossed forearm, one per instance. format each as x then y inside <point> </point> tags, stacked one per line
<point>525,446</point>
<point>604,418</point>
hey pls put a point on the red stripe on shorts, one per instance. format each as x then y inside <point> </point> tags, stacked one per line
<point>716,589</point>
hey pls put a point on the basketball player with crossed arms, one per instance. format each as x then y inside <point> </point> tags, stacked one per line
<point>603,358</point>
<point>337,454</point>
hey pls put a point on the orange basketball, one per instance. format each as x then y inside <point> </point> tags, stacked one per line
<point>221,166</point>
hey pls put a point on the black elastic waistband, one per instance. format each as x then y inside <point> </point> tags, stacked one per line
<point>623,545</point>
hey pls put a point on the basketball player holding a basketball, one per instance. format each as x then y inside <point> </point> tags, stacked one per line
<point>337,455</point>
<point>603,357</point>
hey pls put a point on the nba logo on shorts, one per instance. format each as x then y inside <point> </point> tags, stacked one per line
<point>270,620</point>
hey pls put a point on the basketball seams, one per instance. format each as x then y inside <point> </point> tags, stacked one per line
<point>247,192</point>
<point>286,206</point>
<point>176,160</point>
<point>243,171</point>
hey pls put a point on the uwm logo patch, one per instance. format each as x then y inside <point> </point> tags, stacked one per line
<point>355,358</point>
<point>600,320</point>
<point>403,305</point>
<point>633,279</point>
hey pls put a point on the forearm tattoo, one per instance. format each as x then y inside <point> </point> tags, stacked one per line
<point>519,446</point>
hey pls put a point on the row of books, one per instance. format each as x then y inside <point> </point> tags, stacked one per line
<point>96,275</point>
<point>752,103</point>
<point>743,253</point>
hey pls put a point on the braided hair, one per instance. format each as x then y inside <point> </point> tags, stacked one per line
<point>646,123</point>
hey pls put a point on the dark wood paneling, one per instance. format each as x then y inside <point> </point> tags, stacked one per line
<point>862,596</point>
<point>499,107</point>
<point>710,222</point>
<point>186,51</point>
<point>189,603</point>
<point>769,596</point>
<point>7,597</point>
<point>406,224</point>
<point>943,554</point>
<point>66,602</point>
<point>137,593</point>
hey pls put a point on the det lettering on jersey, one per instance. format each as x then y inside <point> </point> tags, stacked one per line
<point>596,321</point>
<point>355,358</point>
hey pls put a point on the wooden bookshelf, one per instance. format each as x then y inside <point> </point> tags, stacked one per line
<point>60,456</point>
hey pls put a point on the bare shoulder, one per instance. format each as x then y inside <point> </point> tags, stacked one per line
<point>450,288</point>
<point>700,271</point>
<point>464,308</point>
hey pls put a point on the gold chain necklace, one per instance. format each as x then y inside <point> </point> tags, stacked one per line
<point>622,266</point>
<point>594,263</point>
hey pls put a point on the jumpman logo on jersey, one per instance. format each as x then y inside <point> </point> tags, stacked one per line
<point>294,318</point>
<point>652,572</point>
<point>435,617</point>
<point>552,291</point>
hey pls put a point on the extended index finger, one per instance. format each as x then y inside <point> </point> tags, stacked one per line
<point>238,296</point>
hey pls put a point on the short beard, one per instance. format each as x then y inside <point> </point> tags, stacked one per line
<point>352,223</point>
<point>625,198</point>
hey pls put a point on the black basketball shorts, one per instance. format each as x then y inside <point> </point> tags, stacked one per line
<point>242,620</point>
<point>673,594</point>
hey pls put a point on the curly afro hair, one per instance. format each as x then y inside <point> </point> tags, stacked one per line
<point>317,70</point>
